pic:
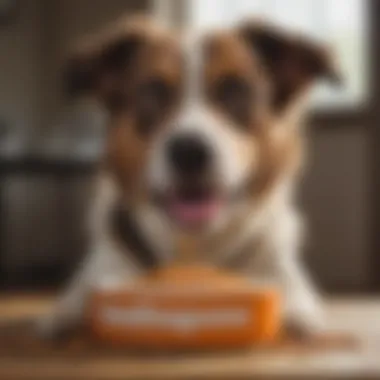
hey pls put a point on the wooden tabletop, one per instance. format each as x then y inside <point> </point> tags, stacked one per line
<point>357,319</point>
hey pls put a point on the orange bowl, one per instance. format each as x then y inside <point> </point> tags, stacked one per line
<point>184,308</point>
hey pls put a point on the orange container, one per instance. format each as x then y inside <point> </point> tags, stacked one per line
<point>186,308</point>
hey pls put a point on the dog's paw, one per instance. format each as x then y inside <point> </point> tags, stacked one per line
<point>303,328</point>
<point>304,325</point>
<point>47,326</point>
<point>52,327</point>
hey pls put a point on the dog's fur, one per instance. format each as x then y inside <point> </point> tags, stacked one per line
<point>253,128</point>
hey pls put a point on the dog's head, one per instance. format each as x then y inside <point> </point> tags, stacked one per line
<point>199,123</point>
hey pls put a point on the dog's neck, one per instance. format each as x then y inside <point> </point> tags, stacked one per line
<point>218,244</point>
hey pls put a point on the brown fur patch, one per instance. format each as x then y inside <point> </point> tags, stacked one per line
<point>278,147</point>
<point>99,64</point>
<point>280,158</point>
<point>126,155</point>
<point>229,59</point>
<point>226,54</point>
<point>292,61</point>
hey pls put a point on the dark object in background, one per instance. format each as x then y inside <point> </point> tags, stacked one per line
<point>8,10</point>
<point>4,129</point>
<point>45,183</point>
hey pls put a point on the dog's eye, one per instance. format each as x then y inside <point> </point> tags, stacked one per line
<point>153,99</point>
<point>234,96</point>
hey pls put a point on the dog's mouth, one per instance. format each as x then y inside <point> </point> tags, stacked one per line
<point>192,206</point>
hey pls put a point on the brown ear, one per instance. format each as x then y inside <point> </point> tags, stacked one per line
<point>291,62</point>
<point>98,65</point>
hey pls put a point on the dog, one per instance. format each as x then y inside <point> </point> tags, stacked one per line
<point>205,137</point>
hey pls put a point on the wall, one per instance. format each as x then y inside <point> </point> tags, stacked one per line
<point>336,200</point>
<point>21,69</point>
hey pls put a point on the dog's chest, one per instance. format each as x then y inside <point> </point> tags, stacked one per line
<point>153,243</point>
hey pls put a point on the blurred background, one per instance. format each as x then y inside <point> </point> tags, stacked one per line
<point>49,149</point>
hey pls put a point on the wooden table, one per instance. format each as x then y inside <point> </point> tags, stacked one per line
<point>359,319</point>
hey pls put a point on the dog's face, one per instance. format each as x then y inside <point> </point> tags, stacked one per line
<point>198,123</point>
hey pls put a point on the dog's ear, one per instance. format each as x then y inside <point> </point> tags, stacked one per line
<point>292,62</point>
<point>99,66</point>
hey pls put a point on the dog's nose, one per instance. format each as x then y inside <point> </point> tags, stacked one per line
<point>188,154</point>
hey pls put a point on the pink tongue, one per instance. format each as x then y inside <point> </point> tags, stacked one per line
<point>194,212</point>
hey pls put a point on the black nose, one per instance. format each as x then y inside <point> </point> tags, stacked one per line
<point>188,154</point>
